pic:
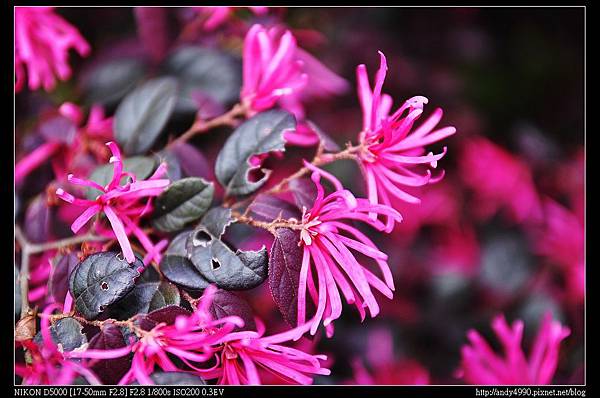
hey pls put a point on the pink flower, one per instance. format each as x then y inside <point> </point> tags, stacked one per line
<point>42,43</point>
<point>48,364</point>
<point>210,349</point>
<point>499,181</point>
<point>276,70</point>
<point>392,155</point>
<point>480,365</point>
<point>328,244</point>
<point>562,240</point>
<point>120,203</point>
<point>242,354</point>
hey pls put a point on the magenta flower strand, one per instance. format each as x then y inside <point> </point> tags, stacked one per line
<point>327,242</point>
<point>119,203</point>
<point>391,150</point>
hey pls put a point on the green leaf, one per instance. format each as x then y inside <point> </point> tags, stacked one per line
<point>143,114</point>
<point>140,166</point>
<point>182,202</point>
<point>261,134</point>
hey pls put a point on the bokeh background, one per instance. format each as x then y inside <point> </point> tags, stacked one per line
<point>514,76</point>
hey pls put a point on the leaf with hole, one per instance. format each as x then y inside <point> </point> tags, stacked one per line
<point>143,114</point>
<point>100,280</point>
<point>263,133</point>
<point>219,264</point>
<point>285,263</point>
<point>182,202</point>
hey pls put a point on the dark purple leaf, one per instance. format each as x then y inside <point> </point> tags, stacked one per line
<point>37,220</point>
<point>66,334</point>
<point>304,192</point>
<point>229,304</point>
<point>144,298</point>
<point>181,271</point>
<point>110,371</point>
<point>268,208</point>
<point>207,106</point>
<point>100,280</point>
<point>166,315</point>
<point>285,263</point>
<point>192,161</point>
<point>59,278</point>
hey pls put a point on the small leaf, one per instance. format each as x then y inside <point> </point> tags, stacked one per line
<point>166,315</point>
<point>175,378</point>
<point>145,297</point>
<point>193,163</point>
<point>182,202</point>
<point>261,134</point>
<point>110,81</point>
<point>110,371</point>
<point>284,272</point>
<point>100,280</point>
<point>66,334</point>
<point>268,208</point>
<point>140,166</point>
<point>304,192</point>
<point>143,113</point>
<point>226,303</point>
<point>38,220</point>
<point>215,74</point>
<point>182,272</point>
<point>59,277</point>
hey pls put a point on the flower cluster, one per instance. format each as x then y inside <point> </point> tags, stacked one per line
<point>119,200</point>
<point>211,349</point>
<point>42,43</point>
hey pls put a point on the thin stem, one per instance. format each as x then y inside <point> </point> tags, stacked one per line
<point>269,226</point>
<point>200,126</point>
<point>319,160</point>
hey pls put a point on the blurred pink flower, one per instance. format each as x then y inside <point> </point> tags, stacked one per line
<point>327,242</point>
<point>499,180</point>
<point>480,365</point>
<point>48,364</point>
<point>562,240</point>
<point>391,153</point>
<point>80,153</point>
<point>276,70</point>
<point>120,203</point>
<point>42,43</point>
